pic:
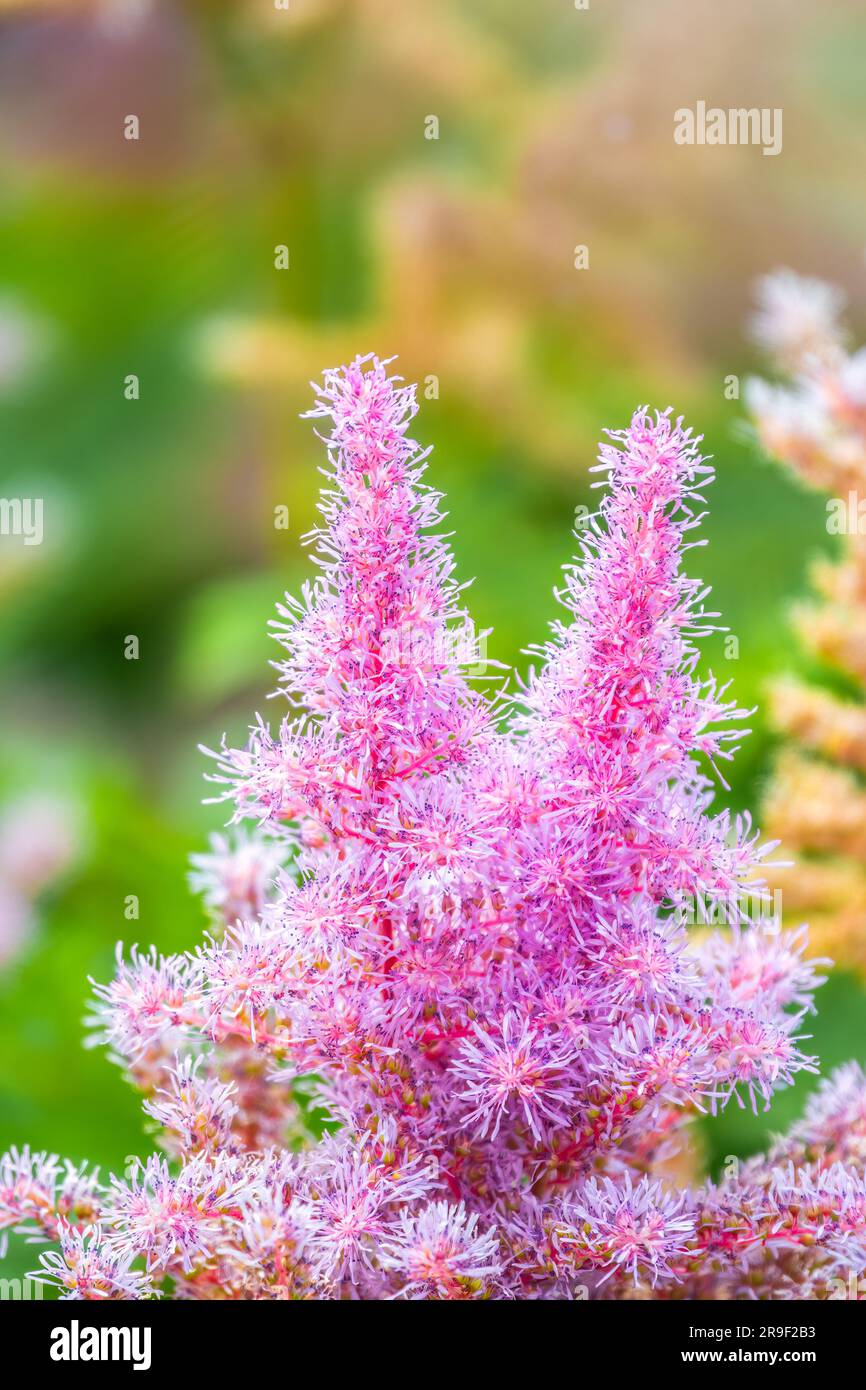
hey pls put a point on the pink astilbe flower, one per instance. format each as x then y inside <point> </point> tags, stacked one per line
<point>236,876</point>
<point>40,836</point>
<point>620,1226</point>
<point>84,1268</point>
<point>175,1220</point>
<point>456,941</point>
<point>753,968</point>
<point>834,1122</point>
<point>816,420</point>
<point>355,1202</point>
<point>39,1194</point>
<point>797,318</point>
<point>516,1070</point>
<point>442,1253</point>
<point>195,1111</point>
<point>148,996</point>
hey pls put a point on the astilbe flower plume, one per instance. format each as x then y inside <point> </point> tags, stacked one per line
<point>469,975</point>
<point>814,421</point>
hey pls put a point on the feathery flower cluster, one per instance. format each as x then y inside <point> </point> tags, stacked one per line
<point>816,423</point>
<point>471,971</point>
<point>39,840</point>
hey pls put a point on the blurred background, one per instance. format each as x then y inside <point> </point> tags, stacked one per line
<point>430,169</point>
